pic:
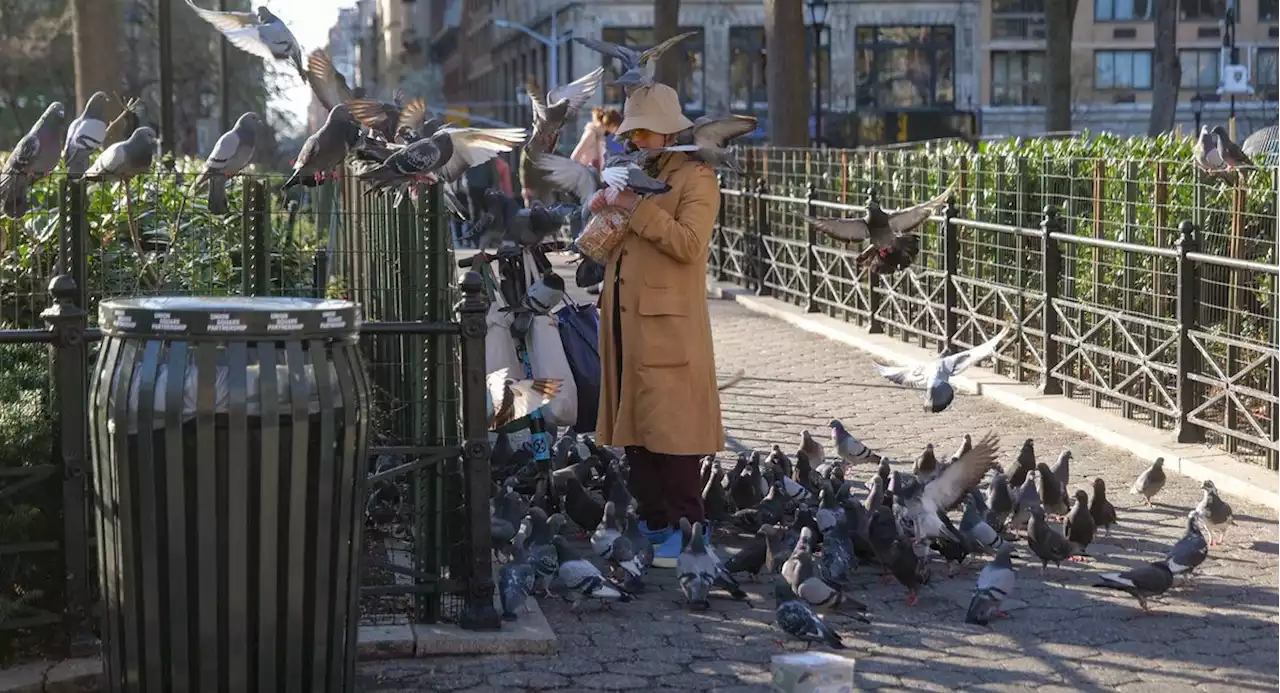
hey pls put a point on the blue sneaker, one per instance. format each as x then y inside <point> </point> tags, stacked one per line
<point>655,536</point>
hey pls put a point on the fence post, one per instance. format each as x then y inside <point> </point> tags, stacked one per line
<point>472,309</point>
<point>262,250</point>
<point>874,325</point>
<point>950,268</point>
<point>1051,271</point>
<point>720,244</point>
<point>810,257</point>
<point>1188,354</point>
<point>68,321</point>
<point>760,268</point>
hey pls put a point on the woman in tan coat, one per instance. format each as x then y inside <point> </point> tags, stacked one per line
<point>658,387</point>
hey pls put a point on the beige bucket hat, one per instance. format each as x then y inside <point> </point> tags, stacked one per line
<point>654,108</point>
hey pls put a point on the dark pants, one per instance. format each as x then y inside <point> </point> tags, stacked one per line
<point>666,487</point>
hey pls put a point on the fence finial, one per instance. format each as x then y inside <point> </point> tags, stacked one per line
<point>1186,237</point>
<point>62,287</point>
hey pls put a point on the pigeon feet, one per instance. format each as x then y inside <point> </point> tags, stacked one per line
<point>886,579</point>
<point>912,599</point>
<point>1002,614</point>
<point>1079,559</point>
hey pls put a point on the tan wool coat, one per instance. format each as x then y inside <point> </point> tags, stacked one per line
<point>668,401</point>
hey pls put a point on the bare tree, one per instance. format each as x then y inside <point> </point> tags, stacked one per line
<point>35,66</point>
<point>1166,69</point>
<point>95,26</point>
<point>1059,16</point>
<point>786,73</point>
<point>666,23</point>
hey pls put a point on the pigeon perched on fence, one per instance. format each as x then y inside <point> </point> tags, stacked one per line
<point>35,155</point>
<point>709,136</point>
<point>935,377</point>
<point>86,134</point>
<point>893,246</point>
<point>557,107</point>
<point>325,149</point>
<point>1232,156</point>
<point>638,68</point>
<point>124,160</point>
<point>261,34</point>
<point>329,86</point>
<point>233,151</point>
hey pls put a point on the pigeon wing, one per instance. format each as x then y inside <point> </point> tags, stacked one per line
<point>653,54</point>
<point>369,112</point>
<point>1233,152</point>
<point>414,114</point>
<point>951,483</point>
<point>85,133</point>
<point>27,151</point>
<point>847,230</point>
<point>957,363</point>
<point>911,376</point>
<point>475,146</point>
<point>536,99</point>
<point>240,28</point>
<point>328,84</point>
<point>622,54</point>
<point>576,92</point>
<point>225,148</point>
<point>568,175</point>
<point>719,132</point>
<point>905,220</point>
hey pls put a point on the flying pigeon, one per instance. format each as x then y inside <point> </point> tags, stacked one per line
<point>797,619</point>
<point>583,181</point>
<point>579,580</point>
<point>557,107</point>
<point>1103,513</point>
<point>917,508</point>
<point>445,156</point>
<point>935,377</point>
<point>1191,549</point>
<point>892,243</point>
<point>1215,512</point>
<point>329,86</point>
<point>709,136</point>
<point>850,449</point>
<point>503,219</point>
<point>124,160</point>
<point>233,151</point>
<point>386,118</point>
<point>35,155</point>
<point>1143,582</point>
<point>324,149</point>
<point>508,400</point>
<point>86,134</point>
<point>1149,483</point>
<point>261,34</point>
<point>637,67</point>
<point>995,583</point>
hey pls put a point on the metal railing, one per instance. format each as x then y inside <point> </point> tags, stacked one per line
<point>1179,334</point>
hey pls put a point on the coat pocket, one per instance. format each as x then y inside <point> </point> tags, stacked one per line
<point>663,323</point>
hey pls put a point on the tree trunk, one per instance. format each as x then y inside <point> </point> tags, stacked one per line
<point>95,27</point>
<point>1059,18</point>
<point>1166,69</point>
<point>666,23</point>
<point>786,75</point>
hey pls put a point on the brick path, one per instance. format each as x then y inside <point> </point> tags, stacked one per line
<point>1219,634</point>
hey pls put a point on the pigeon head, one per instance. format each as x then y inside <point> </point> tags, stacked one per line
<point>1004,555</point>
<point>1207,140</point>
<point>806,539</point>
<point>96,104</point>
<point>248,119</point>
<point>265,16</point>
<point>1195,523</point>
<point>144,134</point>
<point>1159,463</point>
<point>1208,486</point>
<point>1221,133</point>
<point>1081,497</point>
<point>1099,487</point>
<point>938,397</point>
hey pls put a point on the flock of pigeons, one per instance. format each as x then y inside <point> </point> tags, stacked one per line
<point>813,525</point>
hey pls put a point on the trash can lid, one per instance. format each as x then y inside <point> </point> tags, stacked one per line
<point>229,317</point>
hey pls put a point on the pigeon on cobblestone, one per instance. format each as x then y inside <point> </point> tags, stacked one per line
<point>1046,542</point>
<point>995,583</point>
<point>695,567</point>
<point>261,34</point>
<point>927,464</point>
<point>893,245</point>
<point>999,500</point>
<point>517,578</point>
<point>1053,495</point>
<point>638,67</point>
<point>86,134</point>
<point>1215,512</point>
<point>642,547</point>
<point>920,506</point>
<point>609,543</point>
<point>580,506</point>
<point>1022,465</point>
<point>751,558</point>
<point>1191,550</point>
<point>1150,482</point>
<point>1079,527</point>
<point>850,449</point>
<point>124,160</point>
<point>909,568</point>
<point>578,580</point>
<point>1062,469</point>
<point>934,377</point>
<point>838,561</point>
<point>796,618</point>
<point>974,527</point>
<point>1027,500</point>
<point>777,458</point>
<point>1103,513</point>
<point>35,155</point>
<point>541,552</point>
<point>1143,582</point>
<point>231,153</point>
<point>802,574</point>
<point>812,448</point>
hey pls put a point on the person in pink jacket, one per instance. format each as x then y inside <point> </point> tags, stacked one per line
<point>591,147</point>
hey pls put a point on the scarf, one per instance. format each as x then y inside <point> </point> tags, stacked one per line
<point>656,164</point>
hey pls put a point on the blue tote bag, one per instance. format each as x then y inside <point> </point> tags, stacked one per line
<point>579,326</point>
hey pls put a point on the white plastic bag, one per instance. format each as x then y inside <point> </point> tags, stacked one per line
<point>499,345</point>
<point>547,360</point>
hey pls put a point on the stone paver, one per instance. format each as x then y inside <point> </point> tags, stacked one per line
<point>1220,633</point>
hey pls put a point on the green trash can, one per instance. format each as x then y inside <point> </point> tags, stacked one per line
<point>229,439</point>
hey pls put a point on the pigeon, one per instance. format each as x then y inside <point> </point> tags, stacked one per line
<point>517,579</point>
<point>642,547</point>
<point>559,106</point>
<point>1215,513</point>
<point>812,448</point>
<point>769,510</point>
<point>585,511</point>
<point>695,567</point>
<point>751,558</point>
<point>324,150</point>
<point>849,448</point>
<point>384,118</point>
<point>995,583</point>
<point>261,34</point>
<point>445,156</point>
<point>1143,582</point>
<point>233,151</point>
<point>953,546</point>
<point>1022,465</point>
<point>1150,482</point>
<point>1062,469</point>
<point>35,155</point>
<point>1206,153</point>
<point>1046,542</point>
<point>540,551</point>
<point>1052,494</point>
<point>1025,503</point>
<point>838,560</point>
<point>927,464</point>
<point>999,501</point>
<point>1103,513</point>
<point>829,510</point>
<point>508,400</point>
<point>709,137</point>
<point>86,134</point>
<point>893,246</point>
<point>743,490</point>
<point>1191,549</point>
<point>504,220</point>
<point>935,377</point>
<point>1079,527</point>
<point>974,527</point>
<point>124,160</point>
<point>583,181</point>
<point>637,67</point>
<point>966,444</point>
<point>909,568</point>
<point>608,543</point>
<point>1232,156</point>
<point>714,502</point>
<point>581,580</point>
<point>801,573</point>
<point>918,507</point>
<point>329,86</point>
<point>796,618</point>
<point>779,459</point>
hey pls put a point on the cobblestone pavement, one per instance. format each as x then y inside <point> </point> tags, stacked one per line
<point>1220,633</point>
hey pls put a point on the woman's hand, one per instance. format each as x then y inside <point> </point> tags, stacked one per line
<point>626,200</point>
<point>598,201</point>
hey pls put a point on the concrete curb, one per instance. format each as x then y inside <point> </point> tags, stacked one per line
<point>1232,477</point>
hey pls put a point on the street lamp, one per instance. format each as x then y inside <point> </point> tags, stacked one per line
<point>817,18</point>
<point>552,42</point>
<point>1197,108</point>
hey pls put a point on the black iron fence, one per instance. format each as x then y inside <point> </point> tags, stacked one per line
<point>1133,285</point>
<point>427,552</point>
